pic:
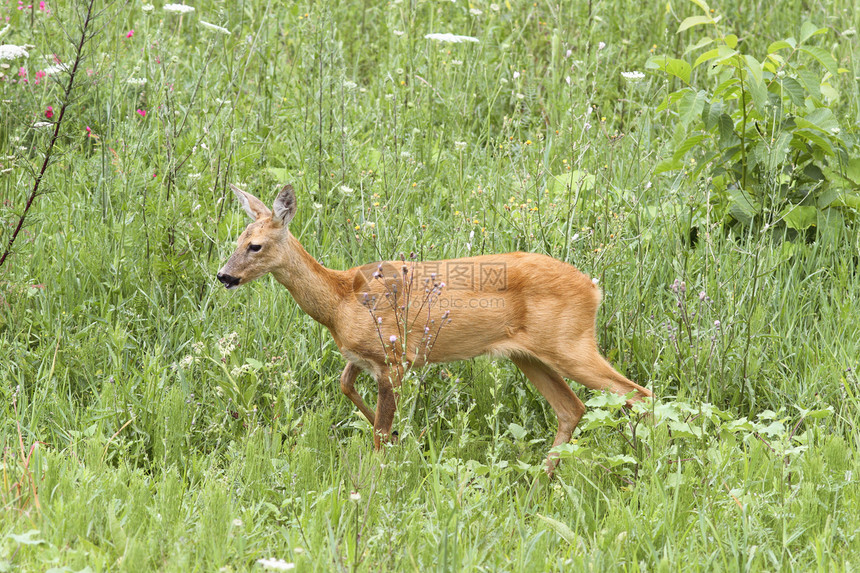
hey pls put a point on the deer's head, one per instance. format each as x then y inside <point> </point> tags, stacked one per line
<point>262,245</point>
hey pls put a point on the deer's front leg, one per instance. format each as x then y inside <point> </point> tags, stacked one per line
<point>347,386</point>
<point>386,404</point>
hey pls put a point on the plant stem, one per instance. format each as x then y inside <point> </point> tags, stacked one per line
<point>79,49</point>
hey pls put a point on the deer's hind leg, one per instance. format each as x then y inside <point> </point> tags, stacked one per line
<point>566,404</point>
<point>586,365</point>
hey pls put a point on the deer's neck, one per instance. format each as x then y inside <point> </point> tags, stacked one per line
<point>317,290</point>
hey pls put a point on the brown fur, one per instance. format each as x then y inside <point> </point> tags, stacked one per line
<point>540,314</point>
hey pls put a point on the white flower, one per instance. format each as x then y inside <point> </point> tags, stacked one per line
<point>475,12</point>
<point>494,7</point>
<point>298,550</point>
<point>451,38</point>
<point>13,52</point>
<point>346,190</point>
<point>521,96</point>
<point>456,62</point>
<point>136,81</point>
<point>147,7</point>
<point>214,28</point>
<point>567,79</point>
<point>460,145</point>
<point>237,522</point>
<point>632,76</point>
<point>516,75</point>
<point>276,565</point>
<point>39,124</point>
<point>601,45</point>
<point>355,496</point>
<point>350,85</point>
<point>392,338</point>
<point>178,8</point>
<point>186,361</point>
<point>398,33</point>
<point>594,281</point>
<point>227,344</point>
<point>57,68</point>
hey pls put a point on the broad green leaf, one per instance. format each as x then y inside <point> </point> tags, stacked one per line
<point>254,363</point>
<point>727,131</point>
<point>706,56</point>
<point>26,538</point>
<point>694,21</point>
<point>795,91</point>
<point>517,431</point>
<point>821,119</point>
<point>851,200</point>
<point>684,430</point>
<point>667,165</point>
<point>731,41</point>
<point>706,41</point>
<point>281,174</point>
<point>815,138</point>
<point>808,30</point>
<point>606,400</point>
<point>754,67</point>
<point>686,146</point>
<point>788,43</point>
<point>673,66</point>
<point>619,459</point>
<point>562,529</point>
<point>823,57</point>
<point>799,218</point>
<point>690,106</point>
<point>743,207</point>
<point>703,5</point>
<point>711,114</point>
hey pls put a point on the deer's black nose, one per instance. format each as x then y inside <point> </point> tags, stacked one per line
<point>229,281</point>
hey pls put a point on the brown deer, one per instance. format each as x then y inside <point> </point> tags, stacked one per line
<point>391,316</point>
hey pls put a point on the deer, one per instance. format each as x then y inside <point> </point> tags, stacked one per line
<point>388,317</point>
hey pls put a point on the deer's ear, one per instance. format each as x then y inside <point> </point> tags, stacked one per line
<point>252,206</point>
<point>285,205</point>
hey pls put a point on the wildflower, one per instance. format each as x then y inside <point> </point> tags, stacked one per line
<point>276,565</point>
<point>350,85</point>
<point>398,33</point>
<point>346,190</point>
<point>13,52</point>
<point>717,323</point>
<point>178,8</point>
<point>237,522</point>
<point>392,338</point>
<point>89,131</point>
<point>49,113</point>
<point>355,496</point>
<point>141,112</point>
<point>460,145</point>
<point>450,38</point>
<point>198,347</point>
<point>42,5</point>
<point>227,344</point>
<point>147,8</point>
<point>494,7</point>
<point>633,76</point>
<point>56,68</point>
<point>39,124</point>
<point>475,12</point>
<point>516,75</point>
<point>600,45</point>
<point>298,550</point>
<point>214,28</point>
<point>136,81</point>
<point>130,34</point>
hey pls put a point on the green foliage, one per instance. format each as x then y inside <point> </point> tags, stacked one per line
<point>152,421</point>
<point>761,130</point>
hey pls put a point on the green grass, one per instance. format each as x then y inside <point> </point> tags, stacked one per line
<point>140,433</point>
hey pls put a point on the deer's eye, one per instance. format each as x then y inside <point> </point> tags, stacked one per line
<point>254,248</point>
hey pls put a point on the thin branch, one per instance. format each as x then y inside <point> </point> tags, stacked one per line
<point>79,49</point>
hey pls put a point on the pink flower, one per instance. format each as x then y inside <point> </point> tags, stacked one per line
<point>141,112</point>
<point>49,113</point>
<point>22,71</point>
<point>42,5</point>
<point>89,131</point>
<point>130,34</point>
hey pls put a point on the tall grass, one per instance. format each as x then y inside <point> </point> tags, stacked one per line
<point>152,421</point>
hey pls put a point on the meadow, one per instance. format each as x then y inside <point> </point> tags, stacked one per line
<point>152,420</point>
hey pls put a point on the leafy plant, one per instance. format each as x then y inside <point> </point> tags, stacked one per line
<point>762,132</point>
